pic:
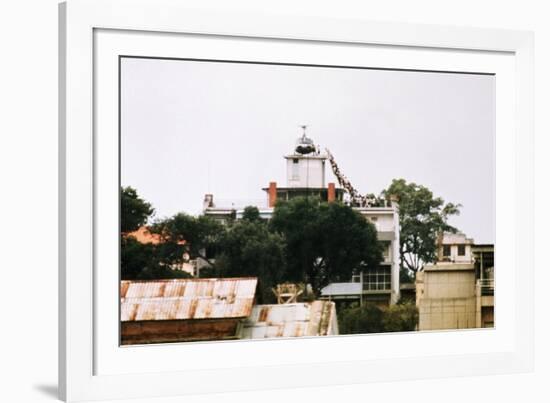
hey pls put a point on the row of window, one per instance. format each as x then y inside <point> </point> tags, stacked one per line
<point>377,279</point>
<point>447,250</point>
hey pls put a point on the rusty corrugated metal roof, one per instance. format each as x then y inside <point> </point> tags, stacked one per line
<point>317,318</point>
<point>208,298</point>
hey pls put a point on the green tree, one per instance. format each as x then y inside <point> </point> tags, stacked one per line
<point>251,213</point>
<point>405,276</point>
<point>372,319</point>
<point>348,242</point>
<point>325,242</point>
<point>421,217</point>
<point>185,235</point>
<point>361,320</point>
<point>135,257</point>
<point>298,222</point>
<point>249,249</point>
<point>400,318</point>
<point>140,261</point>
<point>134,211</point>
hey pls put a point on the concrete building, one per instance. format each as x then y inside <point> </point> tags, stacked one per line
<point>484,257</point>
<point>449,293</point>
<point>454,248</point>
<point>306,176</point>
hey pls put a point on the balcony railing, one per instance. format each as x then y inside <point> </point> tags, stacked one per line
<point>487,286</point>
<point>240,203</point>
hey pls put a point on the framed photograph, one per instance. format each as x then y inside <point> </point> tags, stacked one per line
<point>255,201</point>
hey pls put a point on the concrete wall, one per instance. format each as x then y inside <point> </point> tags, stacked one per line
<point>307,172</point>
<point>452,241</point>
<point>454,256</point>
<point>446,298</point>
<point>386,221</point>
<point>383,220</point>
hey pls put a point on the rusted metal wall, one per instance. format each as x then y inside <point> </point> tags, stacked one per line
<point>317,318</point>
<point>187,299</point>
<point>169,331</point>
<point>163,311</point>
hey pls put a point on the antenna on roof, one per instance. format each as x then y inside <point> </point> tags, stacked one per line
<point>304,127</point>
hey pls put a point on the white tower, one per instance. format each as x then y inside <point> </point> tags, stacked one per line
<point>305,168</point>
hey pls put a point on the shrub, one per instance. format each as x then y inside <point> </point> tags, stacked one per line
<point>400,318</point>
<point>359,320</point>
<point>372,319</point>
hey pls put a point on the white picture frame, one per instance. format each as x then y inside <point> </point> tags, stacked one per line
<point>92,366</point>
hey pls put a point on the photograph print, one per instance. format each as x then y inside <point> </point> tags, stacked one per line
<point>267,200</point>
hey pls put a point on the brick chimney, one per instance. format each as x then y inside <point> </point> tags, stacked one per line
<point>272,194</point>
<point>331,196</point>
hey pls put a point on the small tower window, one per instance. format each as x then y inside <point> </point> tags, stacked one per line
<point>461,250</point>
<point>295,169</point>
<point>446,250</point>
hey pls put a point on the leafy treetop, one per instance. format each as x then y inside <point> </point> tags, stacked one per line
<point>134,211</point>
<point>325,242</point>
<point>421,217</point>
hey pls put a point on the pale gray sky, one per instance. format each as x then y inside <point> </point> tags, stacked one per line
<point>190,128</point>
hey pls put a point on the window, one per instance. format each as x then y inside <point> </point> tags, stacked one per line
<point>295,169</point>
<point>461,250</point>
<point>378,279</point>
<point>446,250</point>
<point>386,251</point>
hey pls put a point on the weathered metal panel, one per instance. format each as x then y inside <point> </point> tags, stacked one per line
<point>187,299</point>
<point>317,318</point>
<point>178,331</point>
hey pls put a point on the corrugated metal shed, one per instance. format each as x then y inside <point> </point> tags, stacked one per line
<point>317,318</point>
<point>212,298</point>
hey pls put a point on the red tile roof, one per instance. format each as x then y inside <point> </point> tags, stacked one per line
<point>143,235</point>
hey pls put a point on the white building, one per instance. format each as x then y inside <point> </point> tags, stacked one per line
<point>454,248</point>
<point>306,176</point>
<point>378,285</point>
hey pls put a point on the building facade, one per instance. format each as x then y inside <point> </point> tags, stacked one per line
<point>456,291</point>
<point>484,257</point>
<point>306,176</point>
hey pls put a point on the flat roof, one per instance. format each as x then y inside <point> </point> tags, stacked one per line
<point>306,156</point>
<point>306,189</point>
<point>449,267</point>
<point>341,289</point>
